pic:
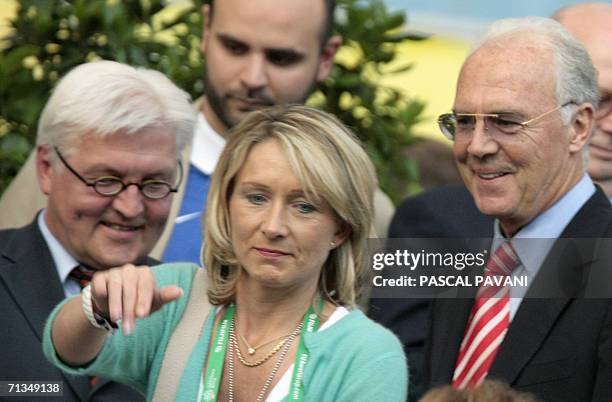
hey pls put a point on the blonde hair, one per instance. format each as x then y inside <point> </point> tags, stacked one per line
<point>488,391</point>
<point>332,166</point>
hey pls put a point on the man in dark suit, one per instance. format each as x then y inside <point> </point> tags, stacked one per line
<point>439,213</point>
<point>107,148</point>
<point>446,212</point>
<point>523,112</point>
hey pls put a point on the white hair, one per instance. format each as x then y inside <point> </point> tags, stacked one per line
<point>105,97</point>
<point>575,75</point>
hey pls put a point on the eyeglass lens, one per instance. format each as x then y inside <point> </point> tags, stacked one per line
<point>113,186</point>
<point>453,125</point>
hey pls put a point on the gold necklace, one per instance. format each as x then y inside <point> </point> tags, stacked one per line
<point>253,349</point>
<point>259,362</point>
<point>234,345</point>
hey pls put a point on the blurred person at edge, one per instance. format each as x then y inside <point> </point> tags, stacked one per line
<point>591,23</point>
<point>107,156</point>
<point>289,214</point>
<point>488,391</point>
<point>257,53</point>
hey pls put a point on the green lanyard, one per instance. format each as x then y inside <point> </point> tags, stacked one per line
<point>311,324</point>
<point>216,356</point>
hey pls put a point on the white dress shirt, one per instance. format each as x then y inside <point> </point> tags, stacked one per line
<point>64,262</point>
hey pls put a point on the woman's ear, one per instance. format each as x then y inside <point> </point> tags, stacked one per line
<point>343,232</point>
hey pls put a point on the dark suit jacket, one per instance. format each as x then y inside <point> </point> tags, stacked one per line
<point>29,289</point>
<point>438,213</point>
<point>557,348</point>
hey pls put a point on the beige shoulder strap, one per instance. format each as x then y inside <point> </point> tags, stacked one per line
<point>183,340</point>
<point>22,198</point>
<point>177,199</point>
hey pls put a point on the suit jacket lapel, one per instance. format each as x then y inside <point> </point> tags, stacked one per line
<point>33,282</point>
<point>555,284</point>
<point>449,317</point>
<point>35,285</point>
<point>519,345</point>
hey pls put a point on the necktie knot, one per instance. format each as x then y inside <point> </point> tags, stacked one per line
<point>503,261</point>
<point>82,275</point>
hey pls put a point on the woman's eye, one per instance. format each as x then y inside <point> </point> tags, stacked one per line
<point>305,207</point>
<point>256,199</point>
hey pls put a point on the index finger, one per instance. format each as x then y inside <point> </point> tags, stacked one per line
<point>165,295</point>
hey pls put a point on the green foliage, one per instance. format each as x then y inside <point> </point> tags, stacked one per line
<point>52,36</point>
<point>382,116</point>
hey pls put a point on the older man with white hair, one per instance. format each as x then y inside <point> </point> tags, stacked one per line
<point>107,157</point>
<point>525,182</point>
<point>522,117</point>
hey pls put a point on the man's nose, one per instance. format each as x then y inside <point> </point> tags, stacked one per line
<point>254,75</point>
<point>481,142</point>
<point>129,202</point>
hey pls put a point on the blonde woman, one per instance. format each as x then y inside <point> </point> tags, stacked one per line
<point>288,215</point>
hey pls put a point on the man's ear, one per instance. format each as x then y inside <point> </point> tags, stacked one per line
<point>44,169</point>
<point>581,125</point>
<point>206,21</point>
<point>326,61</point>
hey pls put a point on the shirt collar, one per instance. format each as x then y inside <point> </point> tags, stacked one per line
<point>207,146</point>
<point>64,262</point>
<point>546,227</point>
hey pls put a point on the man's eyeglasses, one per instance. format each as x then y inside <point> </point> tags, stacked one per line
<point>455,125</point>
<point>604,108</point>
<point>109,186</point>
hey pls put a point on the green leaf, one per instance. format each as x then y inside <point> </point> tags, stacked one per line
<point>14,144</point>
<point>382,117</point>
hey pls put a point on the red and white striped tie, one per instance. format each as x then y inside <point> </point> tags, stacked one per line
<point>488,322</point>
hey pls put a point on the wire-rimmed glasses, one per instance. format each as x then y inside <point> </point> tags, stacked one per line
<point>455,125</point>
<point>109,186</point>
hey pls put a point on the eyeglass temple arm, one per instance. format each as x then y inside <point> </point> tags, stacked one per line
<point>180,180</point>
<point>74,172</point>
<point>528,122</point>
